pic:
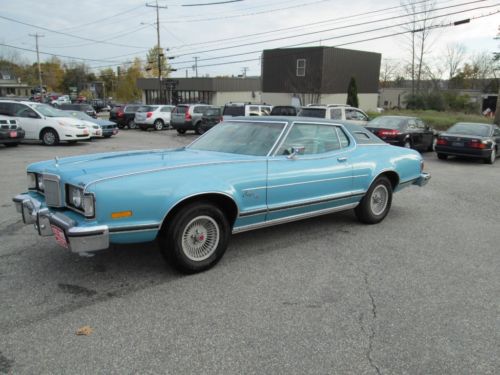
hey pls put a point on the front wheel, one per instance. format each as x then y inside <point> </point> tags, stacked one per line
<point>132,124</point>
<point>376,204</point>
<point>199,129</point>
<point>196,238</point>
<point>491,159</point>
<point>181,131</point>
<point>50,137</point>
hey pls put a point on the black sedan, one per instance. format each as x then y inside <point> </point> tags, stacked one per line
<point>468,139</point>
<point>410,132</point>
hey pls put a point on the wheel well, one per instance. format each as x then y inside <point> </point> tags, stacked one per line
<point>160,119</point>
<point>223,202</point>
<point>393,178</point>
<point>47,128</point>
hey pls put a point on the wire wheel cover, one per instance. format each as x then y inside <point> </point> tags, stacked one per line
<point>378,200</point>
<point>200,238</point>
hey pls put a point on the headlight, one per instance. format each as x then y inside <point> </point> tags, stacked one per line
<point>39,182</point>
<point>31,180</point>
<point>77,199</point>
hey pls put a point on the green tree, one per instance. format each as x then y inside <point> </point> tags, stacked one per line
<point>352,93</point>
<point>53,74</point>
<point>127,89</point>
<point>151,66</point>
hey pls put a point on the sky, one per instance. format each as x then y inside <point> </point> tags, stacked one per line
<point>228,38</point>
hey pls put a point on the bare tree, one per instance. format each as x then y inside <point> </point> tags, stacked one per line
<point>420,28</point>
<point>389,70</point>
<point>454,57</point>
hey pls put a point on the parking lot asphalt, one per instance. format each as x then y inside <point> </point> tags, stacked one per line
<point>418,293</point>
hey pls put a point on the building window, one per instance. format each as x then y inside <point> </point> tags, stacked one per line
<point>301,67</point>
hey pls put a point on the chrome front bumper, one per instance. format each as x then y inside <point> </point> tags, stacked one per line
<point>423,179</point>
<point>79,239</point>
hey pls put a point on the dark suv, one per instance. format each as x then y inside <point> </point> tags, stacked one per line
<point>124,115</point>
<point>82,107</point>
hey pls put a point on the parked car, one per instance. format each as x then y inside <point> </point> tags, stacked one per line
<point>99,105</point>
<point>336,112</point>
<point>187,117</point>
<point>409,132</point>
<point>472,140</point>
<point>154,117</point>
<point>63,99</point>
<point>108,128</point>
<point>125,116</point>
<point>82,107</point>
<point>45,123</point>
<point>241,175</point>
<point>211,116</point>
<point>284,110</point>
<point>245,109</point>
<point>11,134</point>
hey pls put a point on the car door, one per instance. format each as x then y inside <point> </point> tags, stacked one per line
<point>29,120</point>
<point>414,132</point>
<point>427,134</point>
<point>496,134</point>
<point>319,178</point>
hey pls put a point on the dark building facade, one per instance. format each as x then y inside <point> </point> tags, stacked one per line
<point>319,75</point>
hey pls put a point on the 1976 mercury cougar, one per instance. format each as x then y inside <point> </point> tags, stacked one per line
<point>242,175</point>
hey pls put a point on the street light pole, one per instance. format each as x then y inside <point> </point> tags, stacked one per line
<point>159,50</point>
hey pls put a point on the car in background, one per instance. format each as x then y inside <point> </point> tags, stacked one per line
<point>11,134</point>
<point>124,116</point>
<point>99,105</point>
<point>471,140</point>
<point>63,99</point>
<point>336,112</point>
<point>244,174</point>
<point>82,107</point>
<point>155,117</point>
<point>284,110</point>
<point>188,117</point>
<point>211,116</point>
<point>405,131</point>
<point>45,123</point>
<point>108,128</point>
<point>245,109</point>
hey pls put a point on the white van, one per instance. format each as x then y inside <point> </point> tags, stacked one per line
<point>246,109</point>
<point>42,122</point>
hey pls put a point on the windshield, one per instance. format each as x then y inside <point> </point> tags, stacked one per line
<point>387,123</point>
<point>234,110</point>
<point>244,138</point>
<point>49,111</point>
<point>79,115</point>
<point>480,130</point>
<point>212,112</point>
<point>312,112</point>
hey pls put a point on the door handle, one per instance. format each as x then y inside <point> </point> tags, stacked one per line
<point>342,159</point>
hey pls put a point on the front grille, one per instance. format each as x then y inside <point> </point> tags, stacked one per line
<point>52,191</point>
<point>6,127</point>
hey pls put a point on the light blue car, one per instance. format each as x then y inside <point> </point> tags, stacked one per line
<point>243,174</point>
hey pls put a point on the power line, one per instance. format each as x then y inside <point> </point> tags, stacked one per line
<point>342,27</point>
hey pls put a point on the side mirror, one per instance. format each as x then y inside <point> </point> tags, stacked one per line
<point>296,150</point>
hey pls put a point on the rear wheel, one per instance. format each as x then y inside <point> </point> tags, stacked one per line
<point>50,137</point>
<point>158,124</point>
<point>196,237</point>
<point>492,158</point>
<point>442,156</point>
<point>376,204</point>
<point>199,129</point>
<point>11,144</point>
<point>132,124</point>
<point>181,131</point>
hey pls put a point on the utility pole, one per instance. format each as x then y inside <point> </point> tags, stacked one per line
<point>244,70</point>
<point>36,36</point>
<point>159,50</point>
<point>195,66</point>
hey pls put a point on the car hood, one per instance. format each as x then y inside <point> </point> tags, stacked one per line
<point>70,120</point>
<point>84,170</point>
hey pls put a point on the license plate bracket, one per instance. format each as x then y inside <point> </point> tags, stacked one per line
<point>60,236</point>
<point>457,144</point>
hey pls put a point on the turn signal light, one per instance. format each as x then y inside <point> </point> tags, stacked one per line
<point>121,214</point>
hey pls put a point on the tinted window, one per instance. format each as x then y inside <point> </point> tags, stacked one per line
<point>212,112</point>
<point>199,109</point>
<point>132,108</point>
<point>336,114</point>
<point>234,110</point>
<point>385,122</point>
<point>245,138</point>
<point>166,109</point>
<point>312,112</point>
<point>283,111</point>
<point>481,130</point>
<point>181,109</point>
<point>21,110</point>
<point>6,109</point>
<point>316,139</point>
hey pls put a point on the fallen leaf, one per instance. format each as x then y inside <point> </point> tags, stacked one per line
<point>84,331</point>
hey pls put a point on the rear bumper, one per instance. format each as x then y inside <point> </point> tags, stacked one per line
<point>423,179</point>
<point>80,239</point>
<point>462,151</point>
<point>5,136</point>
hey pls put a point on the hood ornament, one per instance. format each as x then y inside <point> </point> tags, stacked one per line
<point>56,159</point>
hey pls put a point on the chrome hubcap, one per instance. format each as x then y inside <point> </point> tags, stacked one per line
<point>159,126</point>
<point>200,238</point>
<point>49,138</point>
<point>379,198</point>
